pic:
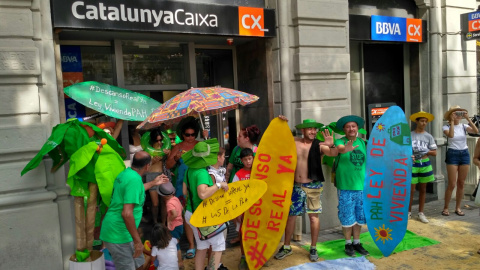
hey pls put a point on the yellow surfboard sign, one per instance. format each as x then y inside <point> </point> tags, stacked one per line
<point>264,223</point>
<point>223,206</point>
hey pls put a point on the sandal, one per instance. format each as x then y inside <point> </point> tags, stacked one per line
<point>445,213</point>
<point>190,253</point>
<point>460,213</point>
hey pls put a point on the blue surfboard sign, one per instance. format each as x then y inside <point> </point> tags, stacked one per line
<point>388,177</point>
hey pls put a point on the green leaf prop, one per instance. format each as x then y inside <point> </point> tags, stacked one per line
<point>108,166</point>
<point>66,139</point>
<point>86,165</point>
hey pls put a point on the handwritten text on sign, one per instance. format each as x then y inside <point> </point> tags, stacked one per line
<point>223,205</point>
<point>264,223</point>
<point>113,101</point>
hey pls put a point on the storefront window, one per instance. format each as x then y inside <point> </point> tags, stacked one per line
<point>97,64</point>
<point>159,64</point>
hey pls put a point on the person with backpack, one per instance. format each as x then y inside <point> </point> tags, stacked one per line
<point>457,156</point>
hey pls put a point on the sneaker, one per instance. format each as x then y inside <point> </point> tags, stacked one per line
<point>313,255</point>
<point>242,265</point>
<point>283,252</point>
<point>349,250</point>
<point>422,217</point>
<point>409,215</point>
<point>359,248</point>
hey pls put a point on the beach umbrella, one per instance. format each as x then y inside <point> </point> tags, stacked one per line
<point>196,101</point>
<point>112,100</point>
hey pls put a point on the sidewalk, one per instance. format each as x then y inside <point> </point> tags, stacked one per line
<point>432,212</point>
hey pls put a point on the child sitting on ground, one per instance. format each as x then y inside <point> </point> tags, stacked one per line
<point>246,155</point>
<point>174,215</point>
<point>164,248</point>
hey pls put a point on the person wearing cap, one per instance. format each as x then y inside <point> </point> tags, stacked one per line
<point>198,185</point>
<point>457,156</point>
<point>350,175</point>
<point>119,227</point>
<point>308,183</point>
<point>174,215</point>
<point>423,146</point>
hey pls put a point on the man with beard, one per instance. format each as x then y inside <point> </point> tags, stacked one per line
<point>308,185</point>
<point>350,175</point>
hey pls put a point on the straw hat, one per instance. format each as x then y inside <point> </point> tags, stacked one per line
<point>422,114</point>
<point>350,118</point>
<point>309,123</point>
<point>202,155</point>
<point>452,109</point>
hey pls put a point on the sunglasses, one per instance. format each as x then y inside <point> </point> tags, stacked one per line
<point>189,134</point>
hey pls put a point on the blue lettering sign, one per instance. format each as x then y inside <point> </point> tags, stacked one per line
<point>388,28</point>
<point>71,57</point>
<point>473,16</point>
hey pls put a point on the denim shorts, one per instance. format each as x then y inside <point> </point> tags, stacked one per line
<point>457,157</point>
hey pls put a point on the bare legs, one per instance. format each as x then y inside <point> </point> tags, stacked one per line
<point>421,196</point>
<point>453,180</point>
<point>289,229</point>
<point>354,230</point>
<point>314,228</point>
<point>154,197</point>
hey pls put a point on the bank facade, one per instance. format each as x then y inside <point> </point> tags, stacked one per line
<point>305,59</point>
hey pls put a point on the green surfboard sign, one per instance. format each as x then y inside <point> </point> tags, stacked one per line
<point>112,100</point>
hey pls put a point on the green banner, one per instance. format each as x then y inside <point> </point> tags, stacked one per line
<point>112,101</point>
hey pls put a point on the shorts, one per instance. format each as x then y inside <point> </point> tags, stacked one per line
<point>122,256</point>
<point>217,242</point>
<point>306,198</point>
<point>457,157</point>
<point>422,171</point>
<point>149,177</point>
<point>350,207</point>
<point>177,233</point>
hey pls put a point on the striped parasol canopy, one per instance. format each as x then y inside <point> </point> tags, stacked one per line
<point>196,101</point>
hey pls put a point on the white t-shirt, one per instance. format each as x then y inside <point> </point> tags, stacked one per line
<point>167,257</point>
<point>459,140</point>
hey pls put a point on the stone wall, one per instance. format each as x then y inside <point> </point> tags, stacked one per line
<point>30,218</point>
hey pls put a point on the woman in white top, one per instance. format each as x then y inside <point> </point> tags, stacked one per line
<point>457,156</point>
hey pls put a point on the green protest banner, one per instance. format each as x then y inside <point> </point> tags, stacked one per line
<point>112,101</point>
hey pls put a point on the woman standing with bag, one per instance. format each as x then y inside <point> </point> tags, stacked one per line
<point>199,186</point>
<point>457,156</point>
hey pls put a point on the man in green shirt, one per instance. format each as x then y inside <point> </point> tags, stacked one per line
<point>350,175</point>
<point>119,227</point>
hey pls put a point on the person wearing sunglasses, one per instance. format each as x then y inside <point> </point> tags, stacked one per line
<point>188,130</point>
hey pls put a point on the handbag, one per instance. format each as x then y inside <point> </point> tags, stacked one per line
<point>205,233</point>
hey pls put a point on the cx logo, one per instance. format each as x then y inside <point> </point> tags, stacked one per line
<point>414,30</point>
<point>251,21</point>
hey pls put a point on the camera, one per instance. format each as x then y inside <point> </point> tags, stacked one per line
<point>460,113</point>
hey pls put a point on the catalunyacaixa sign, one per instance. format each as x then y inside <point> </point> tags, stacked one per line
<point>163,16</point>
